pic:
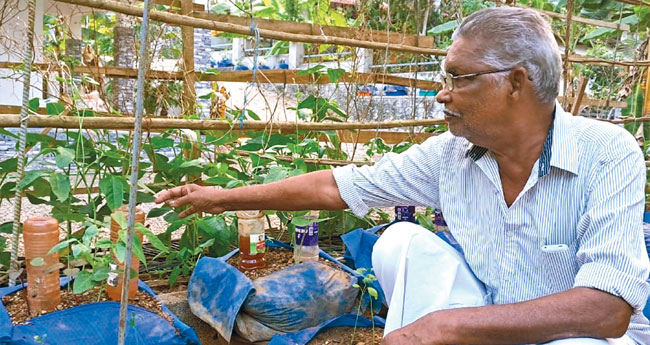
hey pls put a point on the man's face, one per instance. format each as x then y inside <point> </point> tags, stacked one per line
<point>473,107</point>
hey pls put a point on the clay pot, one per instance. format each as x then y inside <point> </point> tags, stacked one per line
<point>43,288</point>
<point>114,286</point>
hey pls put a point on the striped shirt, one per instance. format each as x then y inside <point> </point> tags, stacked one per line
<point>576,223</point>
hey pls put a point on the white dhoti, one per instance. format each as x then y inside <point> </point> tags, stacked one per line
<point>420,273</point>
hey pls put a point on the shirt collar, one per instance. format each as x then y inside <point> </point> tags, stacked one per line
<point>558,148</point>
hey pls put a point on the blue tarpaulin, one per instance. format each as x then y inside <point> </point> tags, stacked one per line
<point>288,300</point>
<point>95,323</point>
<point>306,335</point>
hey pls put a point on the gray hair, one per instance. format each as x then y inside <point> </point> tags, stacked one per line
<point>517,37</point>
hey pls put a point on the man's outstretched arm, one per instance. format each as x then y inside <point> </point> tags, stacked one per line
<point>313,191</point>
<point>579,312</point>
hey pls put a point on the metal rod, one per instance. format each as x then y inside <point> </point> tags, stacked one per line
<point>135,159</point>
<point>24,116</point>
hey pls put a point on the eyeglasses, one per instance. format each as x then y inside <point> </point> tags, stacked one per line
<point>448,79</point>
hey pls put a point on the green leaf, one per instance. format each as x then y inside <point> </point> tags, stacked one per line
<point>7,227</point>
<point>83,282</point>
<point>312,70</point>
<point>373,293</point>
<point>54,108</point>
<point>160,142</point>
<point>159,211</point>
<point>64,156</point>
<point>8,165</point>
<point>113,189</point>
<point>62,245</point>
<point>137,250</point>
<point>34,103</point>
<point>120,251</point>
<point>36,262</point>
<point>444,27</point>
<point>153,239</point>
<point>276,174</point>
<point>597,33</point>
<point>335,74</point>
<point>78,249</point>
<point>60,184</point>
<point>89,233</point>
<point>30,177</point>
<point>120,219</point>
<point>104,243</point>
<point>101,274</point>
<point>174,275</point>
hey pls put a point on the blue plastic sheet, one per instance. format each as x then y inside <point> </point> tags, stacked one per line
<point>288,300</point>
<point>306,335</point>
<point>358,253</point>
<point>95,323</point>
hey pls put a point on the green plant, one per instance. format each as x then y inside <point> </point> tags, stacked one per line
<point>368,279</point>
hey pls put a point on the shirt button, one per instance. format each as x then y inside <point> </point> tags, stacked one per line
<point>509,233</point>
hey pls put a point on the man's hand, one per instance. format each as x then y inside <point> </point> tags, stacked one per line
<point>200,199</point>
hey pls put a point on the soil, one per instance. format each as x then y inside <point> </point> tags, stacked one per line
<point>16,304</point>
<point>276,259</point>
<point>348,336</point>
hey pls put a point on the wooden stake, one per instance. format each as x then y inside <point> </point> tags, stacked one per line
<point>575,108</point>
<point>189,76</point>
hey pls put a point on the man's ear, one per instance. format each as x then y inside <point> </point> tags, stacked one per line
<point>518,78</point>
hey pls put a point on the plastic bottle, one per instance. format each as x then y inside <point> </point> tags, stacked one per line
<point>306,247</point>
<point>43,287</point>
<point>440,223</point>
<point>252,245</point>
<point>114,281</point>
<point>405,213</point>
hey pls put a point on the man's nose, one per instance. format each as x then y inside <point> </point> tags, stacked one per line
<point>443,96</point>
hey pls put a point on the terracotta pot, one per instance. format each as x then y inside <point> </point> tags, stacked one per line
<point>114,286</point>
<point>43,288</point>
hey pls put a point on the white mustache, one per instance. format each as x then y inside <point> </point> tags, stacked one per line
<point>451,113</point>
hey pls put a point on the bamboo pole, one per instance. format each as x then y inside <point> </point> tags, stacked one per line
<point>323,161</point>
<point>575,107</point>
<point>189,76</point>
<point>126,123</point>
<point>594,22</point>
<point>264,76</point>
<point>320,30</point>
<point>171,18</point>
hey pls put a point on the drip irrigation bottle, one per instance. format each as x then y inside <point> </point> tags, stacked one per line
<point>114,281</point>
<point>43,288</point>
<point>405,213</point>
<point>252,245</point>
<point>440,223</point>
<point>306,247</point>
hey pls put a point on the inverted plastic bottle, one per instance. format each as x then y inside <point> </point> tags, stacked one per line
<point>43,289</point>
<point>306,247</point>
<point>252,241</point>
<point>440,223</point>
<point>405,213</point>
<point>114,281</point>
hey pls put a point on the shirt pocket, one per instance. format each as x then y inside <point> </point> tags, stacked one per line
<point>561,267</point>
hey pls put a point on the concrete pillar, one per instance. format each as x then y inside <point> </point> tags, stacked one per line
<point>296,55</point>
<point>364,60</point>
<point>238,54</point>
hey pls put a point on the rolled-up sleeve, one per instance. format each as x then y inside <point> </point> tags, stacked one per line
<point>409,178</point>
<point>611,252</point>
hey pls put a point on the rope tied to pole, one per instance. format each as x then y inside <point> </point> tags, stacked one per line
<point>255,32</point>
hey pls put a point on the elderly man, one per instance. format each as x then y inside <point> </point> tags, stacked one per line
<point>547,207</point>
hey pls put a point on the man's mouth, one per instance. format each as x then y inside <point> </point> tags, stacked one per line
<point>449,113</point>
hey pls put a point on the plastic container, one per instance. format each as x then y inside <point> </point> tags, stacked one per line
<point>43,287</point>
<point>405,213</point>
<point>114,281</point>
<point>306,247</point>
<point>252,244</point>
<point>439,221</point>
